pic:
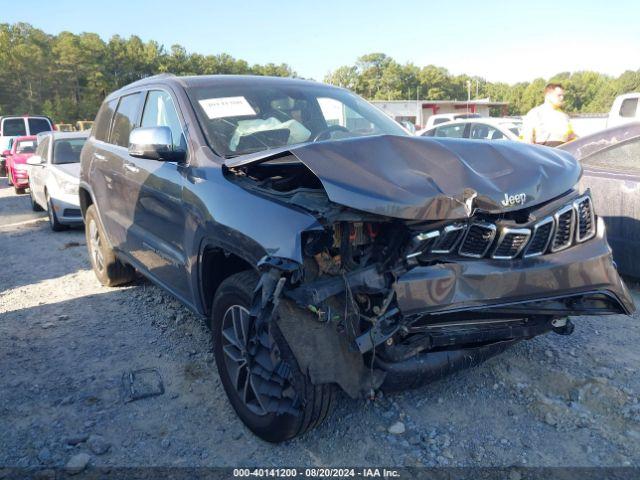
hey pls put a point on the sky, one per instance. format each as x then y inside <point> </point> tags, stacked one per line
<point>497,40</point>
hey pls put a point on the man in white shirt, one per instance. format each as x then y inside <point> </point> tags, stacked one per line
<point>547,124</point>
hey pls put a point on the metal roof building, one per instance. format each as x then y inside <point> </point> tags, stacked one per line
<point>418,111</point>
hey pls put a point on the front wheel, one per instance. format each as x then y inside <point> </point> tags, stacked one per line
<point>109,270</point>
<point>55,225</point>
<point>270,394</point>
<point>34,205</point>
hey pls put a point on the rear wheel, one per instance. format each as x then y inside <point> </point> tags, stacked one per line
<point>109,270</point>
<point>270,394</point>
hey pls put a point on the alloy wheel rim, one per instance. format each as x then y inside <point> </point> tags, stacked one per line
<point>96,252</point>
<point>243,368</point>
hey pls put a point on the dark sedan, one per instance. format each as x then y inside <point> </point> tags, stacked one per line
<point>611,163</point>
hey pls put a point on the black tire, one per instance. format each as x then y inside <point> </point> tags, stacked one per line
<point>55,225</point>
<point>108,269</point>
<point>313,402</point>
<point>34,205</point>
<point>18,190</point>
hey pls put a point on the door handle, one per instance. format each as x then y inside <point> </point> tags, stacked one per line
<point>131,167</point>
<point>99,156</point>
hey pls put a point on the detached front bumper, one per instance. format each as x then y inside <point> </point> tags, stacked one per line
<point>554,283</point>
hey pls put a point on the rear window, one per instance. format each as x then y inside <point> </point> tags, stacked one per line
<point>37,125</point>
<point>125,119</point>
<point>67,150</point>
<point>103,120</point>
<point>13,127</point>
<point>26,146</point>
<point>628,107</point>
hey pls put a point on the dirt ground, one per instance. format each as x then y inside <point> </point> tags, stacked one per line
<point>66,342</point>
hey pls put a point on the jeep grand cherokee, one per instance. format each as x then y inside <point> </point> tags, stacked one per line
<point>329,248</point>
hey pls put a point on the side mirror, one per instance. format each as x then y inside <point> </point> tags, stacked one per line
<point>154,143</point>
<point>34,160</point>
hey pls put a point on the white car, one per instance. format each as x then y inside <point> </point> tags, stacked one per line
<point>54,173</point>
<point>440,118</point>
<point>485,128</point>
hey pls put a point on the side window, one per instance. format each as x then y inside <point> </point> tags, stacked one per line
<point>337,113</point>
<point>485,132</point>
<point>451,131</point>
<point>13,127</point>
<point>628,107</point>
<point>160,111</point>
<point>103,120</point>
<point>125,119</point>
<point>43,149</point>
<point>37,125</point>
<point>623,157</point>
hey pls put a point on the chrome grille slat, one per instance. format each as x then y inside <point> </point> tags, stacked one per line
<point>565,225</point>
<point>448,240</point>
<point>585,218</point>
<point>540,238</point>
<point>477,240</point>
<point>510,243</point>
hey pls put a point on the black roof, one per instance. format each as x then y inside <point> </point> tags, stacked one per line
<point>222,80</point>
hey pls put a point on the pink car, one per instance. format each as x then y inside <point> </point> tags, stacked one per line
<point>17,172</point>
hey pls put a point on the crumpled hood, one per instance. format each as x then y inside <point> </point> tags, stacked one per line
<point>423,178</point>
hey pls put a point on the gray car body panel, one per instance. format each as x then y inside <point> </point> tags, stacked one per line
<point>420,178</point>
<point>616,193</point>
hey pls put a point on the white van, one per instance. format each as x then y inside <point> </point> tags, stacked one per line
<point>20,126</point>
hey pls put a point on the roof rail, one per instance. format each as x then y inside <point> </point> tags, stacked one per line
<point>146,79</point>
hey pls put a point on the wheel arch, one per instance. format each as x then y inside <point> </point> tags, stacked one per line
<point>215,264</point>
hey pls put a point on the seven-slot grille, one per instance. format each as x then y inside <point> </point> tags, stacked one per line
<point>573,223</point>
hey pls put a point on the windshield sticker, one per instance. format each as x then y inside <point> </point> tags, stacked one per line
<point>226,107</point>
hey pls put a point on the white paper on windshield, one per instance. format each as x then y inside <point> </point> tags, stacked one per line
<point>226,107</point>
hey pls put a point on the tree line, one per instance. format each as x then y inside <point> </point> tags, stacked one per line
<point>66,76</point>
<point>379,77</point>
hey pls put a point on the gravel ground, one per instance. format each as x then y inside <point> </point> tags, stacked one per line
<point>65,342</point>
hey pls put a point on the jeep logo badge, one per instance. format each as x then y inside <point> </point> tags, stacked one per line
<point>511,200</point>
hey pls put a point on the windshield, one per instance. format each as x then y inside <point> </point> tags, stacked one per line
<point>249,118</point>
<point>67,151</point>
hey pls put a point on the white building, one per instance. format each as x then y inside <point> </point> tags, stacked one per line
<point>418,111</point>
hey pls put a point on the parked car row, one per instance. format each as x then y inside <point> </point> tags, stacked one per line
<point>47,162</point>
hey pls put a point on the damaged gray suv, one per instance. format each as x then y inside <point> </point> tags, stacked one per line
<point>329,248</point>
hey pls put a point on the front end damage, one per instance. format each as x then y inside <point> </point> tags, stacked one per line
<point>387,301</point>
